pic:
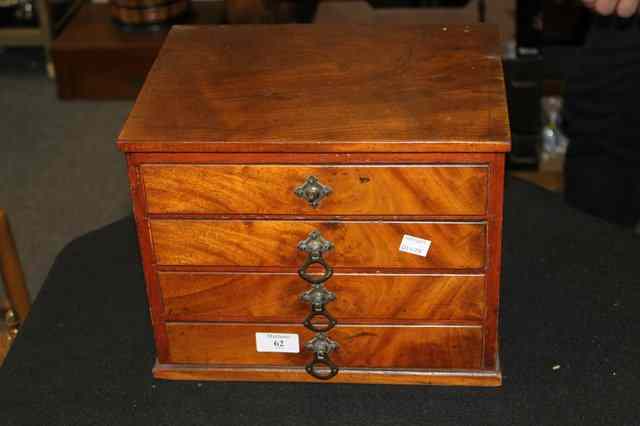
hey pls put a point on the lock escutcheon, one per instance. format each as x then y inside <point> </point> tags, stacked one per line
<point>312,191</point>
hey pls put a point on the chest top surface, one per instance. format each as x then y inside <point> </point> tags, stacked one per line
<point>322,88</point>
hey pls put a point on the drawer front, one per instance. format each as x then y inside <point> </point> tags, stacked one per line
<point>360,298</point>
<point>357,244</point>
<point>426,347</point>
<point>454,190</point>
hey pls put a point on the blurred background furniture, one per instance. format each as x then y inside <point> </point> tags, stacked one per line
<point>16,310</point>
<point>95,59</point>
<point>134,15</point>
<point>48,20</point>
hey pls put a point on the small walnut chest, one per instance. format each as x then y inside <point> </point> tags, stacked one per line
<point>322,203</point>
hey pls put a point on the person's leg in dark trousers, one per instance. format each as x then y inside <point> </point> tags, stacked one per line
<point>602,167</point>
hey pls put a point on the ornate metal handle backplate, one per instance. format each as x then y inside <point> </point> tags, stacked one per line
<point>312,191</point>
<point>321,367</point>
<point>319,319</point>
<point>315,245</point>
<point>318,297</point>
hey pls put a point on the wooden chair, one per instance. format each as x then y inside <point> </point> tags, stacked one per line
<point>12,275</point>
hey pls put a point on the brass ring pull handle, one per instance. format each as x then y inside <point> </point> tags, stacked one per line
<point>312,191</point>
<point>315,368</point>
<point>315,280</point>
<point>318,297</point>
<point>322,327</point>
<point>321,367</point>
<point>315,245</point>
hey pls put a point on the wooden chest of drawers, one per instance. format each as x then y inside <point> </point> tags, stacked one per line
<point>322,203</point>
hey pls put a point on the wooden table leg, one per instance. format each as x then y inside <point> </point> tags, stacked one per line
<point>11,270</point>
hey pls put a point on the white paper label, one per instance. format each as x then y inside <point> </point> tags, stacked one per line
<point>415,245</point>
<point>277,342</point>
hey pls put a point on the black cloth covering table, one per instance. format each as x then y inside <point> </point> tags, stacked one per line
<point>570,347</point>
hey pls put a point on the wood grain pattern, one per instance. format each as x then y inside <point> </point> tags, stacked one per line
<point>356,190</point>
<point>346,375</point>
<point>361,298</point>
<point>357,244</point>
<point>360,346</point>
<point>321,88</point>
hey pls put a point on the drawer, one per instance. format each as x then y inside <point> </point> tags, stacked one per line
<point>360,298</point>
<point>440,190</point>
<point>357,244</point>
<point>426,347</point>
